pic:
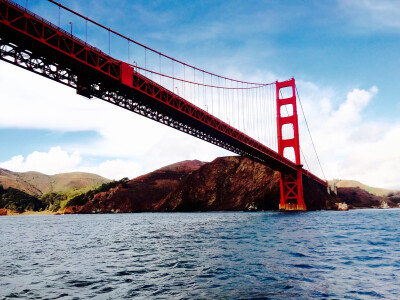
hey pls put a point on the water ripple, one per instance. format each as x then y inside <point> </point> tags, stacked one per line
<point>314,255</point>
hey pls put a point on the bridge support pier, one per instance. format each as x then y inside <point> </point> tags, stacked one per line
<point>292,191</point>
<point>291,183</point>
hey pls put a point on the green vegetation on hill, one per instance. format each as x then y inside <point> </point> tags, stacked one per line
<point>84,198</point>
<point>19,201</point>
<point>38,184</point>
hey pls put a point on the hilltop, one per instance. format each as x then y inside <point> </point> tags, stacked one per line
<point>342,183</point>
<point>143,193</point>
<point>34,191</point>
<point>37,184</point>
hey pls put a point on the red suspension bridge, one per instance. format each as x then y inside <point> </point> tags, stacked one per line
<point>256,120</point>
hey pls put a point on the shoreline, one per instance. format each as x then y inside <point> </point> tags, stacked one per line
<point>28,213</point>
<point>48,212</point>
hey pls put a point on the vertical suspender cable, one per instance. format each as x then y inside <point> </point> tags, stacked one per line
<point>243,114</point>
<point>219,100</point>
<point>226,103</point>
<point>160,67</point>
<point>212,102</point>
<point>194,85</point>
<point>145,61</point>
<point>238,104</point>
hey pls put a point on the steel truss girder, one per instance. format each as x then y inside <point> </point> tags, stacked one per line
<point>25,23</point>
<point>39,65</point>
<point>42,66</point>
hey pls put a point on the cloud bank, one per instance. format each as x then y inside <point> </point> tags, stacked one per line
<point>350,145</point>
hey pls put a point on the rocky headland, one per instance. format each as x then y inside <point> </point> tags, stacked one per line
<point>225,184</point>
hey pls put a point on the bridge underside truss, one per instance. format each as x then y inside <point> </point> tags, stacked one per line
<point>130,100</point>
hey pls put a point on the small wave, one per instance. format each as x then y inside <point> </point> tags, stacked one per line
<point>106,289</point>
<point>303,266</point>
<point>80,283</point>
<point>298,254</point>
<point>367,293</point>
<point>62,295</point>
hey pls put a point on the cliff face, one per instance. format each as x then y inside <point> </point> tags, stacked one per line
<point>227,183</point>
<point>140,194</point>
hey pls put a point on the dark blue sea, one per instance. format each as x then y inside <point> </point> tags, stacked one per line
<point>258,255</point>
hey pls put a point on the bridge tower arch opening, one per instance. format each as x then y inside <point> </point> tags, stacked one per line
<point>291,184</point>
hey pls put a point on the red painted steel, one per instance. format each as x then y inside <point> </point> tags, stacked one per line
<point>291,183</point>
<point>126,74</point>
<point>33,43</point>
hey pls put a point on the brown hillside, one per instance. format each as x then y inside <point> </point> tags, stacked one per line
<point>356,197</point>
<point>372,190</point>
<point>36,184</point>
<point>15,180</point>
<point>225,184</point>
<point>235,183</point>
<point>139,194</point>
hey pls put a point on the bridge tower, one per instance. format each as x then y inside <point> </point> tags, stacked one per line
<point>291,183</point>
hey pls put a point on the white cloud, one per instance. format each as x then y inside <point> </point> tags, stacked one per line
<point>349,145</point>
<point>372,14</point>
<point>123,136</point>
<point>349,111</point>
<point>115,169</point>
<point>57,161</point>
<point>53,162</point>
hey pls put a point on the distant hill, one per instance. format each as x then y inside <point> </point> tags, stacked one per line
<point>37,184</point>
<point>372,190</point>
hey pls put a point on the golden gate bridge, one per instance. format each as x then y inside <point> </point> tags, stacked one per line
<point>256,120</point>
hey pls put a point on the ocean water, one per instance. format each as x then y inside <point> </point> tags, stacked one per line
<point>258,255</point>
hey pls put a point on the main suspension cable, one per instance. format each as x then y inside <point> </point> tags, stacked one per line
<point>309,132</point>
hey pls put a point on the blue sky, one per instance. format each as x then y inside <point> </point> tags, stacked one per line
<point>343,54</point>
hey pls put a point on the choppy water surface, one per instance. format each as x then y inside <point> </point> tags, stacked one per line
<point>354,255</point>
